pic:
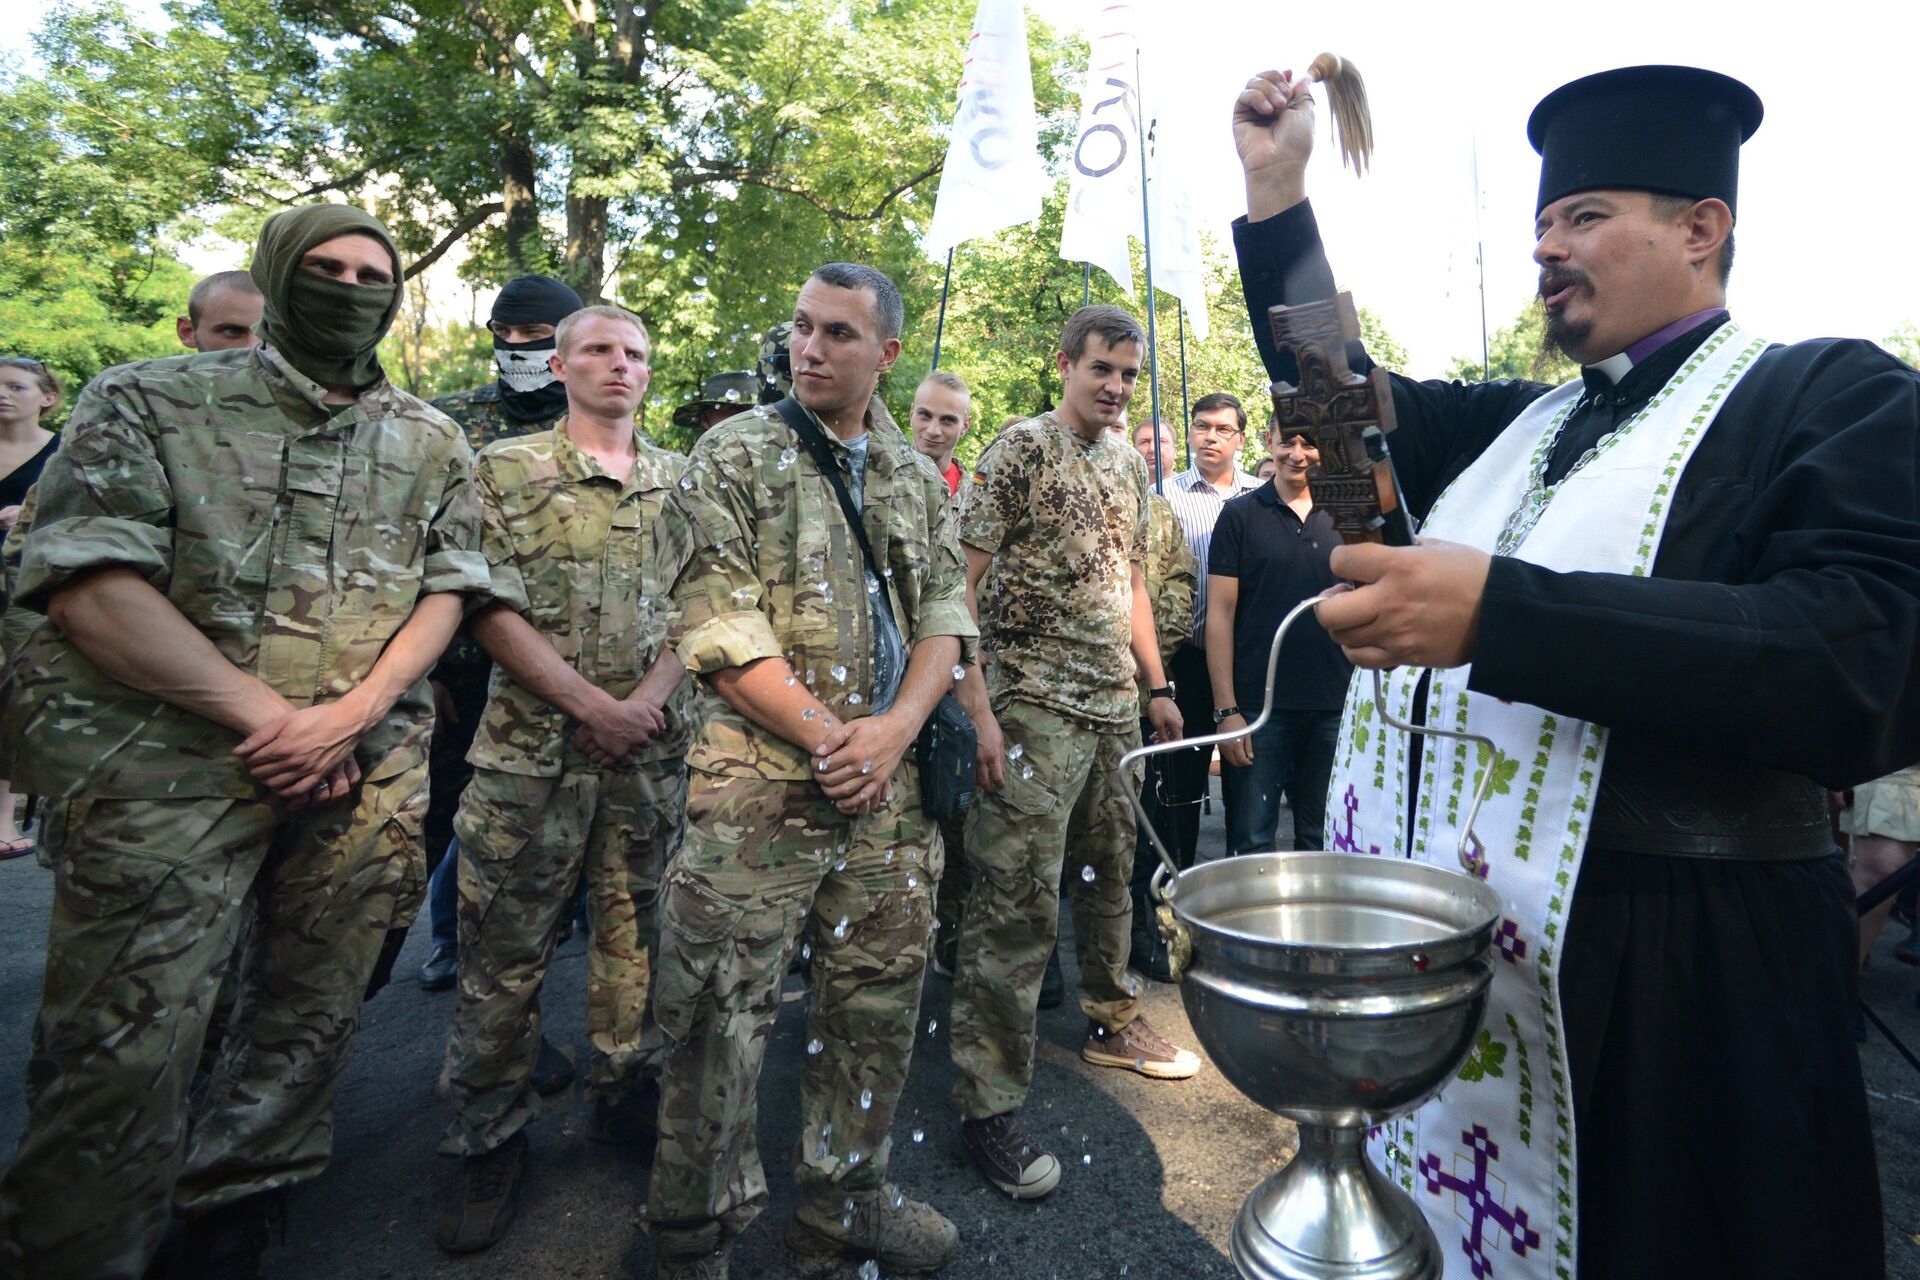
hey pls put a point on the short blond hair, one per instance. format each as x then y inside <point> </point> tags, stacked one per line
<point>563,334</point>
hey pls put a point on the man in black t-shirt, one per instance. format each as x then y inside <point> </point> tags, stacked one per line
<point>1274,544</point>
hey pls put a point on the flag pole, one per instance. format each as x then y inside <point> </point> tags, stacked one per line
<point>1086,284</point>
<point>1480,261</point>
<point>1186,412</point>
<point>940,328</point>
<point>1146,244</point>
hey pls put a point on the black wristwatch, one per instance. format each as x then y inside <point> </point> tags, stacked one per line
<point>1222,714</point>
<point>1164,691</point>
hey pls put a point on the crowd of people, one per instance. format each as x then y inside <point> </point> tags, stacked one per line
<point>282,640</point>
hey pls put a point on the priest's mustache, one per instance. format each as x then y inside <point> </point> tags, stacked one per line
<point>1552,282</point>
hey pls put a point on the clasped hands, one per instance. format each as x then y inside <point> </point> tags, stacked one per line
<point>617,727</point>
<point>305,755</point>
<point>855,763</point>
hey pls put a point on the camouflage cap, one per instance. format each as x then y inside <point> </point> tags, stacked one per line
<point>735,390</point>
<point>776,365</point>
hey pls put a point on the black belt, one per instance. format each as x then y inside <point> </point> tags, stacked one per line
<point>1685,805</point>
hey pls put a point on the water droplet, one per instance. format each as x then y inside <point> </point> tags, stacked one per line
<point>1140,1064</point>
<point>846,1206</point>
<point>786,458</point>
<point>919,1136</point>
<point>854,699</point>
<point>1087,873</point>
<point>873,585</point>
<point>700,281</point>
<point>887,573</point>
<point>870,1270</point>
<point>809,713</point>
<point>839,672</point>
<point>866,767</point>
<point>866,1099</point>
<point>709,246</point>
<point>913,882</point>
<point>959,673</point>
<point>790,680</point>
<point>1085,1159</point>
<point>1065,1131</point>
<point>826,595</point>
<point>820,1150</point>
<point>686,484</point>
<point>763,299</point>
<point>887,857</point>
<point>669,254</point>
<point>806,951</point>
<point>710,217</point>
<point>933,1025</point>
<point>712,352</point>
<point>846,1221</point>
<point>840,865</point>
<point>732,395</point>
<point>1017,750</point>
<point>853,1157</point>
<point>744,596</point>
<point>814,1047</point>
<point>840,930</point>
<point>1026,773</point>
<point>899,1198</point>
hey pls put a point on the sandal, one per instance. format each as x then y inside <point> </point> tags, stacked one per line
<point>19,847</point>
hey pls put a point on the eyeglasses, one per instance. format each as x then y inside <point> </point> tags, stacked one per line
<point>1207,429</point>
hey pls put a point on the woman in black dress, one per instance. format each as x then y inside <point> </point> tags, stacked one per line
<point>29,391</point>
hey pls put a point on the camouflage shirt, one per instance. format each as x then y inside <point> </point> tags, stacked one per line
<point>295,535</point>
<point>482,415</point>
<point>1172,574</point>
<point>576,553</point>
<point>772,570</point>
<point>1065,520</point>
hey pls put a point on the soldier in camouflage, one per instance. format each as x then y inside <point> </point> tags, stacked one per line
<point>524,398</point>
<point>1060,514</point>
<point>776,363</point>
<point>804,808</point>
<point>251,557</point>
<point>579,760</point>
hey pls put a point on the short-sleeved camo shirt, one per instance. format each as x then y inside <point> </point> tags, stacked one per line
<point>773,570</point>
<point>577,553</point>
<point>295,535</point>
<point>1065,520</point>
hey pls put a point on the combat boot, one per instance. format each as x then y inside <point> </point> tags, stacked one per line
<point>901,1235</point>
<point>226,1243</point>
<point>489,1198</point>
<point>691,1255</point>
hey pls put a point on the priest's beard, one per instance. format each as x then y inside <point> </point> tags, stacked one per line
<point>1563,336</point>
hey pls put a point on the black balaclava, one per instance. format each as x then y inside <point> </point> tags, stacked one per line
<point>327,329</point>
<point>528,390</point>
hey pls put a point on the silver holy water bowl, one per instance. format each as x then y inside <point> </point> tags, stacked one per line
<point>1339,990</point>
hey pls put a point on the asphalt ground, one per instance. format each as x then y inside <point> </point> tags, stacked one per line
<point>1154,1171</point>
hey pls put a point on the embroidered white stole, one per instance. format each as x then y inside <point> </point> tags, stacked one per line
<point>1491,1161</point>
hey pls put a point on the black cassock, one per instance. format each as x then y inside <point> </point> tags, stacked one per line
<point>1720,1116</point>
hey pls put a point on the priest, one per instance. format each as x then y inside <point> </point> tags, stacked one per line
<point>1682,595</point>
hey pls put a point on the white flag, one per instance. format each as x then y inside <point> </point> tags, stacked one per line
<point>1173,145</point>
<point>1103,193</point>
<point>993,177</point>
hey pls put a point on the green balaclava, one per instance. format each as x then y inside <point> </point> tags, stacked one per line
<point>327,329</point>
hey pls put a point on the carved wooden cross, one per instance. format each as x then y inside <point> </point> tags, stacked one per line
<point>1346,415</point>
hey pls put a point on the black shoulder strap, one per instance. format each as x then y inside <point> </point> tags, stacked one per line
<point>796,417</point>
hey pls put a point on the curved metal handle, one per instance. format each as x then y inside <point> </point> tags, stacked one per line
<point>1472,854</point>
<point>1161,748</point>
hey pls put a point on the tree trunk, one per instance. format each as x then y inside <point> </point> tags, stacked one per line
<point>517,178</point>
<point>586,260</point>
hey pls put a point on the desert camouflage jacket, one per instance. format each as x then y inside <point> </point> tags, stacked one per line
<point>295,535</point>
<point>576,553</point>
<point>1065,520</point>
<point>772,570</point>
<point>1171,574</point>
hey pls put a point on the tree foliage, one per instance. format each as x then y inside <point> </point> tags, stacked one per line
<point>1518,350</point>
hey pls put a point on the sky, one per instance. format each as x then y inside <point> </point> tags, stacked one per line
<point>1829,184</point>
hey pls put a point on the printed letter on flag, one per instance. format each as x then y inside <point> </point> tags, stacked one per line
<point>993,177</point>
<point>1103,196</point>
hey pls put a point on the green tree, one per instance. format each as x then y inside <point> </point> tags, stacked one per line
<point>1518,350</point>
<point>1905,343</point>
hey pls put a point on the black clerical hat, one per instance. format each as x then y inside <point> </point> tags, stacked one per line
<point>1675,130</point>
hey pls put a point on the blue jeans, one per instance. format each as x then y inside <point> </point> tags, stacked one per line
<point>443,899</point>
<point>1293,752</point>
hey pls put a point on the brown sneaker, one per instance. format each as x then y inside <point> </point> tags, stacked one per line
<point>901,1235</point>
<point>489,1197</point>
<point>1010,1159</point>
<point>1138,1047</point>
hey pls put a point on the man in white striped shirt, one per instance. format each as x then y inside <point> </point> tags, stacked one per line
<point>1177,781</point>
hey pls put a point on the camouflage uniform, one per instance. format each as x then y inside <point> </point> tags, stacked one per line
<point>574,551</point>
<point>1065,519</point>
<point>462,670</point>
<point>774,572</point>
<point>1172,576</point>
<point>298,540</point>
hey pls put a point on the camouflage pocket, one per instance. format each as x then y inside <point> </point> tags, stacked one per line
<point>696,929</point>
<point>112,856</point>
<point>499,812</point>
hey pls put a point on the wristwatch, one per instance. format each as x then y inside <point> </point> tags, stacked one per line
<point>1164,691</point>
<point>1223,714</point>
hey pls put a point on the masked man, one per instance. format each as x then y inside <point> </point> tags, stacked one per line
<point>251,558</point>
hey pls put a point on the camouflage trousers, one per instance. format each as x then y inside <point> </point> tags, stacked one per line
<point>149,899</point>
<point>523,842</point>
<point>1061,804</point>
<point>766,863</point>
